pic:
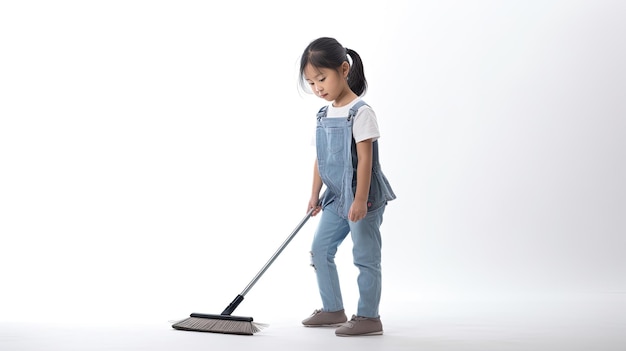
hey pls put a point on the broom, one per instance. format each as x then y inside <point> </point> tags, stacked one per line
<point>224,322</point>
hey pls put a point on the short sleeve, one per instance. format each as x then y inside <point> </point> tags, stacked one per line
<point>365,125</point>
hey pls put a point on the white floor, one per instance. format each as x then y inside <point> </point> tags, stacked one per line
<point>597,324</point>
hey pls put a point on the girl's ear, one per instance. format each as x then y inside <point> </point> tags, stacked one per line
<point>345,68</point>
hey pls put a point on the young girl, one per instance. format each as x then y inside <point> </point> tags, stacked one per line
<point>357,191</point>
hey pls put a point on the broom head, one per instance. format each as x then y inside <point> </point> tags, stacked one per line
<point>219,323</point>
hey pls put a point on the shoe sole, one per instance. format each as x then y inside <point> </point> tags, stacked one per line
<point>364,334</point>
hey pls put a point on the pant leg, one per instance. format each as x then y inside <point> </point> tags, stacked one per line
<point>330,233</point>
<point>367,246</point>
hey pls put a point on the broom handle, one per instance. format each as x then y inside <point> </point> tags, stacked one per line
<point>275,255</point>
<point>239,297</point>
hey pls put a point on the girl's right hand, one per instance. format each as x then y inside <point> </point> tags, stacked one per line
<point>314,205</point>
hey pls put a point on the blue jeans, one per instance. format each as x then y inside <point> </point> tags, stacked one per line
<point>366,252</point>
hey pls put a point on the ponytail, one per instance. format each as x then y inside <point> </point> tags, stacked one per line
<point>356,75</point>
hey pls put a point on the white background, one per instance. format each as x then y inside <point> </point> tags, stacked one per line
<point>155,154</point>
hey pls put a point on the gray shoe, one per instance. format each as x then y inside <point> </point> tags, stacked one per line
<point>358,326</point>
<point>321,318</point>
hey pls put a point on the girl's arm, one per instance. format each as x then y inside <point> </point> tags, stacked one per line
<point>315,191</point>
<point>364,152</point>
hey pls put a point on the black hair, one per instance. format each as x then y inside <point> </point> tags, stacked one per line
<point>328,53</point>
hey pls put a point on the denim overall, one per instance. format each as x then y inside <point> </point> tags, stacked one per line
<point>337,163</point>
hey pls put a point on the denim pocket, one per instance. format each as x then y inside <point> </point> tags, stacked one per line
<point>335,140</point>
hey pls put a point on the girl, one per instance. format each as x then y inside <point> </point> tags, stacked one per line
<point>356,189</point>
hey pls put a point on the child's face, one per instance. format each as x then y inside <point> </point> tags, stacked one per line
<point>326,83</point>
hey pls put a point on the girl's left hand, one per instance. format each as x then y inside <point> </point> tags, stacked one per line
<point>358,211</point>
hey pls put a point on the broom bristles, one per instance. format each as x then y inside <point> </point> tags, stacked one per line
<point>219,325</point>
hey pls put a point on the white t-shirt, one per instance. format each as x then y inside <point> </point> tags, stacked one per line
<point>364,126</point>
